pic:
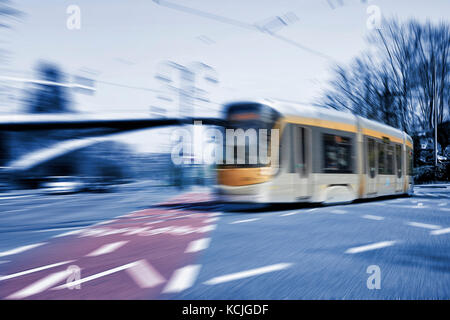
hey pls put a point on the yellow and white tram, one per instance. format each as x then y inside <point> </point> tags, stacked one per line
<point>325,156</point>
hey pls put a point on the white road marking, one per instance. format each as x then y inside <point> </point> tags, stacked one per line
<point>145,275</point>
<point>68,233</point>
<point>21,249</point>
<point>105,222</point>
<point>198,245</point>
<point>153,222</point>
<point>292,213</point>
<point>56,229</point>
<point>182,279</point>
<point>14,197</point>
<point>211,227</point>
<point>215,214</point>
<point>445,209</point>
<point>182,230</point>
<point>15,210</point>
<point>98,275</point>
<point>5,261</point>
<point>248,273</point>
<point>372,217</point>
<point>338,211</point>
<point>41,285</point>
<point>422,225</point>
<point>22,273</point>
<point>442,204</point>
<point>369,247</point>
<point>243,221</point>
<point>440,231</point>
<point>211,220</point>
<point>107,248</point>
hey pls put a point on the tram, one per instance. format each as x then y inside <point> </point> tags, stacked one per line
<point>324,156</point>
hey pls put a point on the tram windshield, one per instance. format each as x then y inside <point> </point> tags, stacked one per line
<point>248,134</point>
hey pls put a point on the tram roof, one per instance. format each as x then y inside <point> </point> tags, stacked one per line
<point>290,109</point>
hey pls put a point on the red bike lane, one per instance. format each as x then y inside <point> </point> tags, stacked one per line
<point>135,256</point>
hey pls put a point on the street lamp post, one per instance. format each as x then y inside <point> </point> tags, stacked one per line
<point>435,117</point>
<point>188,95</point>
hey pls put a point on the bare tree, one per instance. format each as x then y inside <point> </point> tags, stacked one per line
<point>393,82</point>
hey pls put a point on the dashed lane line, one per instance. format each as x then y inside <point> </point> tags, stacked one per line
<point>440,231</point>
<point>423,225</point>
<point>107,248</point>
<point>297,212</point>
<point>369,247</point>
<point>198,245</point>
<point>338,211</point>
<point>372,217</point>
<point>20,249</point>
<point>291,213</point>
<point>14,197</point>
<point>244,221</point>
<point>247,273</point>
<point>22,273</point>
<point>182,279</point>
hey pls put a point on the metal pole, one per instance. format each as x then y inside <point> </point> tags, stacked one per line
<point>435,119</point>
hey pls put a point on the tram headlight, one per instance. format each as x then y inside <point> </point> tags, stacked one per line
<point>265,171</point>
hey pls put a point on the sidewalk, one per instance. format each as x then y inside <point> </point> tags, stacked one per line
<point>433,185</point>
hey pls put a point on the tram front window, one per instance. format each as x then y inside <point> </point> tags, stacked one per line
<point>247,135</point>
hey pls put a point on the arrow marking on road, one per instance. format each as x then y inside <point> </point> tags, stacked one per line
<point>145,275</point>
<point>41,285</point>
<point>182,279</point>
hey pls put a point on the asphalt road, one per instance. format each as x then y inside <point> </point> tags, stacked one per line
<point>211,252</point>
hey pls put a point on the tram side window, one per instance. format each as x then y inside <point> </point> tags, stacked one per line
<point>381,159</point>
<point>302,140</point>
<point>372,162</point>
<point>409,161</point>
<point>337,154</point>
<point>390,160</point>
<point>398,157</point>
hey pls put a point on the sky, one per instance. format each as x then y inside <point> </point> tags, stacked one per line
<point>127,42</point>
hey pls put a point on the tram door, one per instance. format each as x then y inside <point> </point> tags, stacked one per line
<point>302,150</point>
<point>399,174</point>
<point>372,172</point>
